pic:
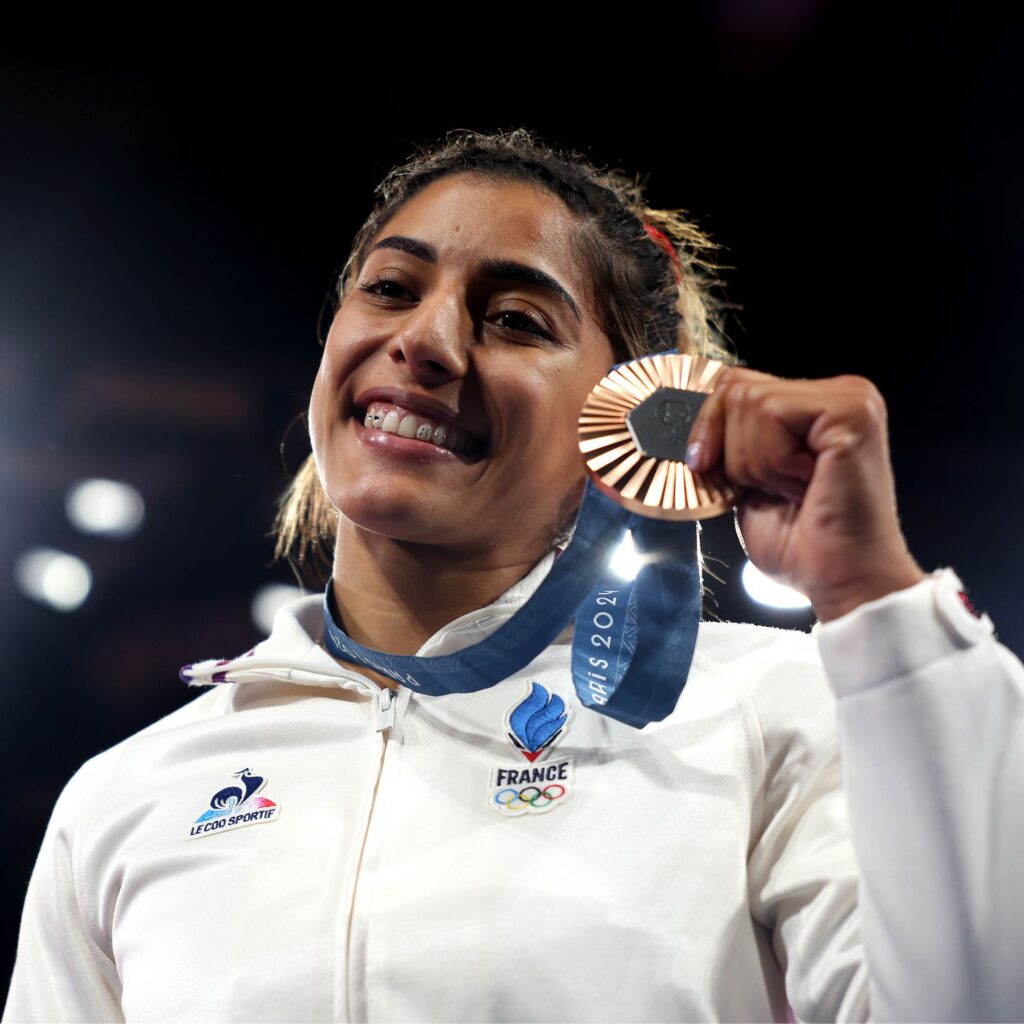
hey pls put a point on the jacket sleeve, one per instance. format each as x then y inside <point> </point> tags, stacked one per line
<point>62,971</point>
<point>930,709</point>
<point>802,872</point>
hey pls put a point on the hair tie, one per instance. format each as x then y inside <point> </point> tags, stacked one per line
<point>662,241</point>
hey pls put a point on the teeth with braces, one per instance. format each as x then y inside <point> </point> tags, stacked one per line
<point>393,419</point>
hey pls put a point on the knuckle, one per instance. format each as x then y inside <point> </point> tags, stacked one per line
<point>844,442</point>
<point>736,393</point>
<point>862,399</point>
<point>762,399</point>
<point>724,377</point>
<point>773,406</point>
<point>864,387</point>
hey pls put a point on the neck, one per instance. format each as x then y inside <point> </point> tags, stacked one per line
<point>392,595</point>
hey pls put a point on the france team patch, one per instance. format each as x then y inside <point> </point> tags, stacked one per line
<point>532,726</point>
<point>536,722</point>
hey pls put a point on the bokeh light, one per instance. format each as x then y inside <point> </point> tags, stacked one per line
<point>626,560</point>
<point>268,600</point>
<point>105,507</point>
<point>52,577</point>
<point>767,592</point>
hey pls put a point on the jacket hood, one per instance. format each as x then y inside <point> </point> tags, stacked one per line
<point>294,651</point>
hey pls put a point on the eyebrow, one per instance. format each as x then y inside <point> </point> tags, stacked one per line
<point>508,270</point>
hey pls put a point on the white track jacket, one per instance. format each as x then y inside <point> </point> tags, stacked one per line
<point>833,819</point>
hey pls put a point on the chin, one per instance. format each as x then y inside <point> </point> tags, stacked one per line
<point>388,515</point>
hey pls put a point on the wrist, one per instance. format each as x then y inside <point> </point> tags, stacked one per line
<point>900,634</point>
<point>837,604</point>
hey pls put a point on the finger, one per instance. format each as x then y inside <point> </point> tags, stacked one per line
<point>705,445</point>
<point>761,451</point>
<point>798,466</point>
<point>775,430</point>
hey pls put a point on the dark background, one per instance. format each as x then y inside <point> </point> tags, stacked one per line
<point>176,198</point>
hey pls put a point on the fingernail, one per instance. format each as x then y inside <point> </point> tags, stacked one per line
<point>695,457</point>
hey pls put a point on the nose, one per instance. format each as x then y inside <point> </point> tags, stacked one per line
<point>434,339</point>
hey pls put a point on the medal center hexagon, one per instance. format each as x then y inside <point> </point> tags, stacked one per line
<point>660,425</point>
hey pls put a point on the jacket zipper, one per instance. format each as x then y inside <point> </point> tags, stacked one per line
<point>384,708</point>
<point>384,702</point>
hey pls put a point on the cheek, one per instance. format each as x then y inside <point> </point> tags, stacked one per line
<point>343,353</point>
<point>349,342</point>
<point>327,404</point>
<point>329,376</point>
<point>552,409</point>
<point>572,389</point>
<point>316,409</point>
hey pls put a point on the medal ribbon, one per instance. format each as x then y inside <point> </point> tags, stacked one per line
<point>633,640</point>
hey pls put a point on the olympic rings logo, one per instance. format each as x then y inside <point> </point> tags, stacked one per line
<point>528,798</point>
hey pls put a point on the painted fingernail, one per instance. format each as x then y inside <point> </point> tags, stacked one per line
<point>695,457</point>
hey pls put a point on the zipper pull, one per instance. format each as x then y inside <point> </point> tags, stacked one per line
<point>384,707</point>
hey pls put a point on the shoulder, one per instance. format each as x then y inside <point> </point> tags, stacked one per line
<point>768,662</point>
<point>744,643</point>
<point>780,673</point>
<point>97,773</point>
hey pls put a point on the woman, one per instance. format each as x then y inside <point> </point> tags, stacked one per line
<point>373,853</point>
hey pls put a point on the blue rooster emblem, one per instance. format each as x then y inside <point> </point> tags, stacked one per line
<point>536,721</point>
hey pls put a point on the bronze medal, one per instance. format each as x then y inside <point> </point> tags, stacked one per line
<point>633,432</point>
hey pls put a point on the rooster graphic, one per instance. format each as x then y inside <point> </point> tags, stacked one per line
<point>234,798</point>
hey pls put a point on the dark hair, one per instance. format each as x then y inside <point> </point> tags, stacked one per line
<point>651,272</point>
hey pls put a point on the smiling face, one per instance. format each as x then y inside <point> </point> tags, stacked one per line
<point>454,371</point>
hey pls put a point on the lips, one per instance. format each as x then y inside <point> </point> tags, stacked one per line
<point>417,417</point>
<point>392,419</point>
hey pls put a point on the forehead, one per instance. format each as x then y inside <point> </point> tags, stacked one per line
<point>469,219</point>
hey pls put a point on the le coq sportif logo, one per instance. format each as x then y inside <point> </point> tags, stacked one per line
<point>236,806</point>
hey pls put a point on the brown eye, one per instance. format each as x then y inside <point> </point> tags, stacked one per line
<point>385,288</point>
<point>520,321</point>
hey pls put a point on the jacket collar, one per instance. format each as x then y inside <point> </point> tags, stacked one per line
<point>294,651</point>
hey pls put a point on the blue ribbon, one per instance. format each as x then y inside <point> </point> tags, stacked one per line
<point>633,640</point>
